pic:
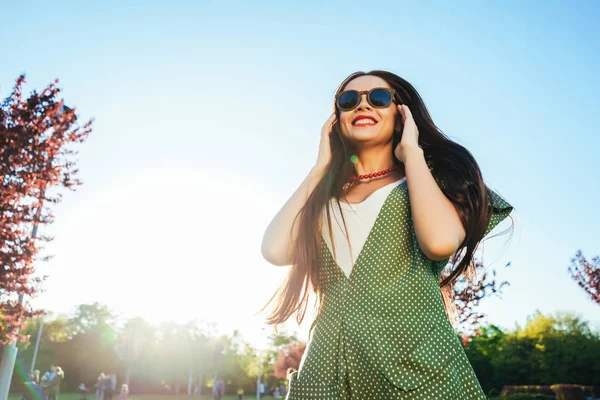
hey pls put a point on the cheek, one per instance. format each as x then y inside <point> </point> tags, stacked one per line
<point>345,118</point>
<point>389,116</point>
<point>390,120</point>
<point>345,122</point>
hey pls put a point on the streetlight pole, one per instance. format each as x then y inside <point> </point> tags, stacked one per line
<point>261,351</point>
<point>259,375</point>
<point>37,344</point>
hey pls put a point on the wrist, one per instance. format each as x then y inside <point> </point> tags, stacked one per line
<point>319,169</point>
<point>412,152</point>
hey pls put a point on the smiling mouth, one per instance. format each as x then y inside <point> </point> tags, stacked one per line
<point>362,122</point>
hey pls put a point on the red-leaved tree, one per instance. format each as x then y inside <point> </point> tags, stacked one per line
<point>288,359</point>
<point>467,293</point>
<point>36,161</point>
<point>587,274</point>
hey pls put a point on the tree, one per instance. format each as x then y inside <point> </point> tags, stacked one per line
<point>549,349</point>
<point>35,162</point>
<point>587,275</point>
<point>279,345</point>
<point>89,316</point>
<point>56,329</point>
<point>289,359</point>
<point>201,352</point>
<point>135,335</point>
<point>92,336</point>
<point>467,292</point>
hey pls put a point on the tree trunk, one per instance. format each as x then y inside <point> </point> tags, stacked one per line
<point>7,365</point>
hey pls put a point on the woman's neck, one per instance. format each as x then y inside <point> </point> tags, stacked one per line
<point>373,160</point>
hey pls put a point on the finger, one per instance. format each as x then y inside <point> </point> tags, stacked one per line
<point>328,126</point>
<point>331,120</point>
<point>402,113</point>
<point>407,111</point>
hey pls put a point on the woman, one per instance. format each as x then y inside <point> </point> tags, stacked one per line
<point>57,376</point>
<point>388,202</point>
<point>100,386</point>
<point>33,390</point>
<point>36,376</point>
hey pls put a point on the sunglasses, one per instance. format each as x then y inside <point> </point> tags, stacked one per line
<point>376,97</point>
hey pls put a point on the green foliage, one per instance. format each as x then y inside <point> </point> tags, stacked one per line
<point>89,341</point>
<point>90,316</point>
<point>548,349</point>
<point>75,396</point>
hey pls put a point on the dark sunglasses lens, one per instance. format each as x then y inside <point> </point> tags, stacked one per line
<point>348,100</point>
<point>380,98</point>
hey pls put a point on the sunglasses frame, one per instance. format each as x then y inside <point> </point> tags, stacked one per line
<point>392,93</point>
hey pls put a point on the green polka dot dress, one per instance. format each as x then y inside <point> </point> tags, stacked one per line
<point>382,333</point>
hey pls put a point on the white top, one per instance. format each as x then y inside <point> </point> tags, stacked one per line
<point>359,218</point>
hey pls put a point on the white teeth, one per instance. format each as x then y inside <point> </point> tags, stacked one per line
<point>364,121</point>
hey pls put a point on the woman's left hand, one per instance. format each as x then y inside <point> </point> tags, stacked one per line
<point>410,134</point>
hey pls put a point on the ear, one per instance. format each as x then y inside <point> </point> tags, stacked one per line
<point>398,125</point>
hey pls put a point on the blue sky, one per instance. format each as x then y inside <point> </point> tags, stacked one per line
<point>208,117</point>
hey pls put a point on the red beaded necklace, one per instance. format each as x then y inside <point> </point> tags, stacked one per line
<point>385,172</point>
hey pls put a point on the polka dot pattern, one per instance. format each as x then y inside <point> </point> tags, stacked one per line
<point>382,332</point>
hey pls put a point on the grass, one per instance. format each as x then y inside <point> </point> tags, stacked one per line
<point>75,396</point>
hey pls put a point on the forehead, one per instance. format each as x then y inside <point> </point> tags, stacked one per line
<point>366,82</point>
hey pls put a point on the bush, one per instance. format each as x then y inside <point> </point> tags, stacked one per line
<point>568,392</point>
<point>591,391</point>
<point>508,390</point>
<point>528,396</point>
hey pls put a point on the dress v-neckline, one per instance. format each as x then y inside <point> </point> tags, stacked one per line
<point>369,236</point>
<point>350,205</point>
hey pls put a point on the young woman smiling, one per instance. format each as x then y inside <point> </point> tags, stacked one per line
<point>369,231</point>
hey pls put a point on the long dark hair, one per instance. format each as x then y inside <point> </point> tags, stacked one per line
<point>453,167</point>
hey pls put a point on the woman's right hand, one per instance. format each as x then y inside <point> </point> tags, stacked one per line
<point>278,244</point>
<point>324,157</point>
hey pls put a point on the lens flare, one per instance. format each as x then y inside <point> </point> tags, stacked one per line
<point>24,377</point>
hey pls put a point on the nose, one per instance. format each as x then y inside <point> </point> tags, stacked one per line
<point>363,104</point>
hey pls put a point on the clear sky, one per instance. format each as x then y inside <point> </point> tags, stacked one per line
<point>208,117</point>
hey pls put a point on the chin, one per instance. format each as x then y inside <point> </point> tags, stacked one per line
<point>364,135</point>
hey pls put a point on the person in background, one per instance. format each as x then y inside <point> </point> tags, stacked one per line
<point>113,383</point>
<point>100,386</point>
<point>83,391</point>
<point>45,378</point>
<point>124,392</point>
<point>282,390</point>
<point>35,376</point>
<point>33,391</point>
<point>218,390</point>
<point>110,386</point>
<point>55,378</point>
<point>240,394</point>
<point>108,394</point>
